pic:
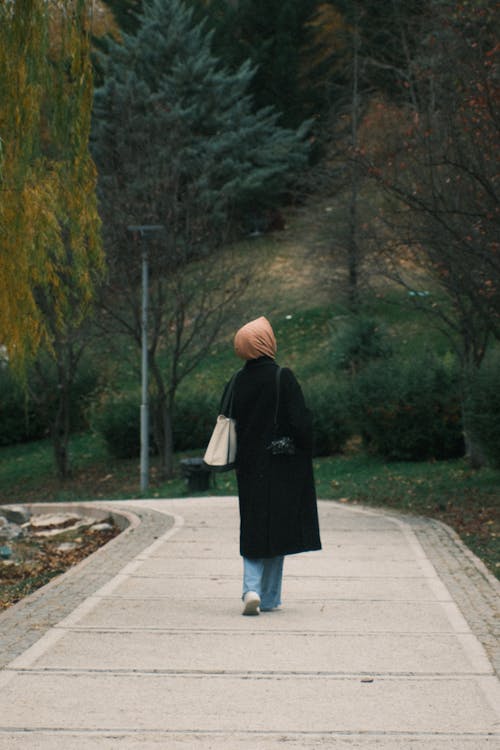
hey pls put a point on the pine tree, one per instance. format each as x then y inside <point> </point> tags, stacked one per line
<point>178,144</point>
<point>175,134</point>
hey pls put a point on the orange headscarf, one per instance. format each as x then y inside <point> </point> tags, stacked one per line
<point>255,339</point>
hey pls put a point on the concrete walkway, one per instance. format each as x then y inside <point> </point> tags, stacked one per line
<point>369,651</point>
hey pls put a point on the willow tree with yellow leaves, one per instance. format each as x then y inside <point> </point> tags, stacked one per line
<point>49,225</point>
<point>50,249</point>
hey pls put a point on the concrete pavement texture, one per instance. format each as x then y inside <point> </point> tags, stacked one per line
<point>146,647</point>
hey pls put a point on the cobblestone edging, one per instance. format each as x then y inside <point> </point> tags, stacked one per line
<point>475,590</point>
<point>24,623</point>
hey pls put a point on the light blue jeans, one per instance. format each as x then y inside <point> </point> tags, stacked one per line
<point>264,575</point>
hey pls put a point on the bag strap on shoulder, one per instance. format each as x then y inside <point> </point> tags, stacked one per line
<point>227,402</point>
<point>278,377</point>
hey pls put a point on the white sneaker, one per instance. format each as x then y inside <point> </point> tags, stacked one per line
<point>251,603</point>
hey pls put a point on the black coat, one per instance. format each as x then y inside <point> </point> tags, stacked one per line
<point>277,497</point>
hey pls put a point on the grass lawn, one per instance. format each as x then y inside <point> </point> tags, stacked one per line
<point>450,491</point>
<point>467,500</point>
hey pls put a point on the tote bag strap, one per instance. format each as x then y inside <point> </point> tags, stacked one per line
<point>278,377</point>
<point>227,402</point>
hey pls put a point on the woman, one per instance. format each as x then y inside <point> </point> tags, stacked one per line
<point>277,498</point>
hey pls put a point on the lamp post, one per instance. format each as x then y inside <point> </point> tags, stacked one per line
<point>145,231</point>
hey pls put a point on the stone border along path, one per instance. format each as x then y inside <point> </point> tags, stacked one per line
<point>394,602</point>
<point>24,623</point>
<point>473,587</point>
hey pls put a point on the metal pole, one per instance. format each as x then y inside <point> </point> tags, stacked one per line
<point>144,231</point>
<point>144,370</point>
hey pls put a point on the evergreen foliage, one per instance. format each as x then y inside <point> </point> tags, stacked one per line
<point>175,136</point>
<point>17,417</point>
<point>409,411</point>
<point>483,408</point>
<point>29,410</point>
<point>359,343</point>
<point>331,413</point>
<point>271,34</point>
<point>115,419</point>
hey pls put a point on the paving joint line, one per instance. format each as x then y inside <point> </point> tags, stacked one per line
<point>354,734</point>
<point>265,674</point>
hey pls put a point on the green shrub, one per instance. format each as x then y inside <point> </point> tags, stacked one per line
<point>329,404</point>
<point>26,413</point>
<point>409,410</point>
<point>360,342</point>
<point>43,383</point>
<point>19,420</point>
<point>116,417</point>
<point>483,409</point>
<point>194,419</point>
<point>85,384</point>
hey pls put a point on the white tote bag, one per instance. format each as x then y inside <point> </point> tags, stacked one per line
<point>221,450</point>
<point>220,454</point>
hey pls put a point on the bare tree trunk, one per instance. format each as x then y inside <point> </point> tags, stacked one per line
<point>471,361</point>
<point>473,451</point>
<point>54,393</point>
<point>353,247</point>
<point>61,433</point>
<point>163,423</point>
<point>167,464</point>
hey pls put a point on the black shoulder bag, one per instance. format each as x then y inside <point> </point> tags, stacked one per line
<point>280,445</point>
